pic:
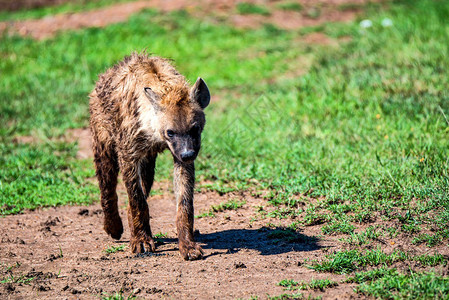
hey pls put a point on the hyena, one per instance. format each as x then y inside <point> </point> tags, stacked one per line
<point>139,108</point>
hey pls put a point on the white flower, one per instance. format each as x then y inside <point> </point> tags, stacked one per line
<point>387,22</point>
<point>366,24</point>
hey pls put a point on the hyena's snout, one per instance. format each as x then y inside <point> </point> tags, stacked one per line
<point>187,149</point>
<point>189,152</point>
<point>188,155</point>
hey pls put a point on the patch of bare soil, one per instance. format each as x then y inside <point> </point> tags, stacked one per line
<point>314,13</point>
<point>293,20</point>
<point>79,135</point>
<point>84,139</point>
<point>319,38</point>
<point>62,249</point>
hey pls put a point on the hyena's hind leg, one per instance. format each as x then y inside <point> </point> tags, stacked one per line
<point>107,169</point>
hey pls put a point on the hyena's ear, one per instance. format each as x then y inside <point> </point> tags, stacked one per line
<point>152,96</point>
<point>200,93</point>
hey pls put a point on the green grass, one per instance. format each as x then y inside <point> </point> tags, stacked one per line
<point>371,233</point>
<point>115,249</point>
<point>412,285</point>
<point>286,296</point>
<point>386,283</point>
<point>338,227</point>
<point>430,239</point>
<point>314,284</point>
<point>349,6</point>
<point>289,284</point>
<point>372,172</point>
<point>22,279</point>
<point>369,129</point>
<point>294,6</point>
<point>281,234</point>
<point>69,7</point>
<point>246,8</point>
<point>159,236</point>
<point>117,296</point>
<point>432,260</point>
<point>12,278</point>
<point>371,275</point>
<point>232,204</point>
<point>42,175</point>
<point>348,261</point>
<point>206,214</point>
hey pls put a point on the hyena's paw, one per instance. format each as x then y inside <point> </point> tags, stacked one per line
<point>191,251</point>
<point>113,226</point>
<point>142,244</point>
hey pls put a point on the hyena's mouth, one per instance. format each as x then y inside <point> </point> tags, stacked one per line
<point>184,157</point>
<point>188,156</point>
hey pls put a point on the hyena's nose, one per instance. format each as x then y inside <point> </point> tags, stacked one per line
<point>188,155</point>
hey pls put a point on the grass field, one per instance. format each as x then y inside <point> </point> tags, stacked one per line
<point>361,136</point>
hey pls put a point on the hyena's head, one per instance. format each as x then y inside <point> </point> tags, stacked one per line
<point>181,121</point>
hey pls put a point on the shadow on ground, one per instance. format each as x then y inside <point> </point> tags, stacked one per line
<point>267,241</point>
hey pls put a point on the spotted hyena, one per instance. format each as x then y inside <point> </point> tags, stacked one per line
<point>140,107</point>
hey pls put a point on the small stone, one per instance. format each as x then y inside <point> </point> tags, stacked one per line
<point>83,212</point>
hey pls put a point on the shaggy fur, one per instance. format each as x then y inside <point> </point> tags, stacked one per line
<point>139,108</point>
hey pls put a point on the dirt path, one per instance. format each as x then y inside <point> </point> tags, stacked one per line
<point>49,26</point>
<point>63,249</point>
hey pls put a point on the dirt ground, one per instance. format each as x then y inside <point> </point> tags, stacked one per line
<point>63,249</point>
<point>50,25</point>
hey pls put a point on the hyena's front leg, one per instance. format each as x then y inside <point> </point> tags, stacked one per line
<point>184,180</point>
<point>147,167</point>
<point>138,214</point>
<point>106,166</point>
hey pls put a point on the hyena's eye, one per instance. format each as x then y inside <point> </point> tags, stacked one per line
<point>195,130</point>
<point>170,133</point>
